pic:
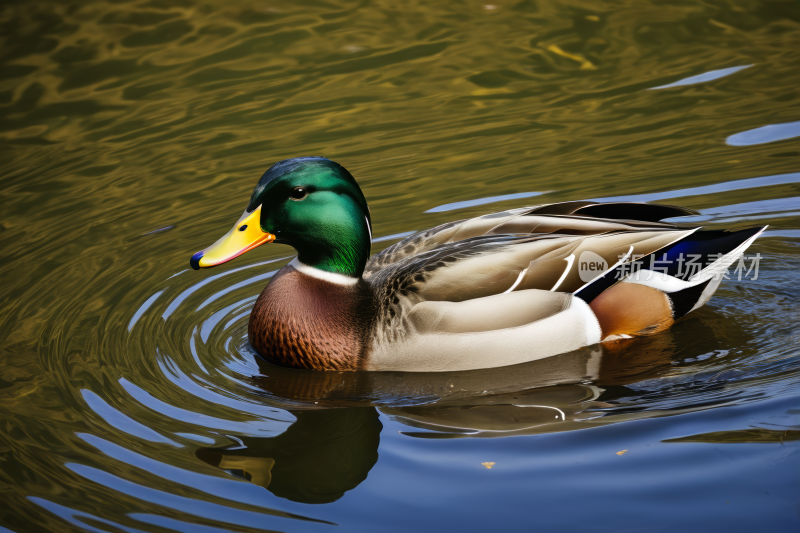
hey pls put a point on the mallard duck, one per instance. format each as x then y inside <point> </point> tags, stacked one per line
<point>495,290</point>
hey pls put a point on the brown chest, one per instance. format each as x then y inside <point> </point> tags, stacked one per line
<point>304,322</point>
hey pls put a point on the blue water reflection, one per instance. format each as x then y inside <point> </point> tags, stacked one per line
<point>482,201</point>
<point>191,506</point>
<point>706,76</point>
<point>765,134</point>
<point>228,487</point>
<point>77,518</point>
<point>144,307</point>
<point>176,525</point>
<point>122,422</point>
<point>779,207</point>
<point>765,181</point>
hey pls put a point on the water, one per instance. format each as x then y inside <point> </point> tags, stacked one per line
<point>132,135</point>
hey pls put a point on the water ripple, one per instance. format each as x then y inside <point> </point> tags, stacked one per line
<point>702,78</point>
<point>765,134</point>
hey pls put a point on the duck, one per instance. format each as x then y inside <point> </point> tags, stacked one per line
<point>496,290</point>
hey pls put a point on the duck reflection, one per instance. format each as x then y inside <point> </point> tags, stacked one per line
<point>322,455</point>
<point>312,389</point>
<point>333,444</point>
<point>530,412</point>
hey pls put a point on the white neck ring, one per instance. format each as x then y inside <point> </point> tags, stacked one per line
<point>330,277</point>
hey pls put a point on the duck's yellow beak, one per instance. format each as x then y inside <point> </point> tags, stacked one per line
<point>245,235</point>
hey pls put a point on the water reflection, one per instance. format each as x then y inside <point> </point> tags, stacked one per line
<point>483,201</point>
<point>750,183</point>
<point>333,444</point>
<point>333,389</point>
<point>758,210</point>
<point>706,76</point>
<point>522,413</point>
<point>744,435</point>
<point>765,134</point>
<point>322,455</point>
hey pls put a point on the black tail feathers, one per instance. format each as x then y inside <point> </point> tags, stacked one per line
<point>682,260</point>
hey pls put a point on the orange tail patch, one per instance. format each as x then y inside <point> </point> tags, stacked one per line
<point>632,309</point>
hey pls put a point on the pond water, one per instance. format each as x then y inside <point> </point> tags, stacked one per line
<point>132,135</point>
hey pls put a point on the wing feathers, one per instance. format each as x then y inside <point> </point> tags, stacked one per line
<point>528,220</point>
<point>511,251</point>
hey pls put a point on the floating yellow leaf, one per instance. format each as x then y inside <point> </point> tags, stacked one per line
<point>488,465</point>
<point>622,452</point>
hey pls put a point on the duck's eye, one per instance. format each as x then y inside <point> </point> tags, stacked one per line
<point>243,227</point>
<point>298,193</point>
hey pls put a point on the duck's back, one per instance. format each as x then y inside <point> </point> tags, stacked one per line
<point>581,218</point>
<point>506,288</point>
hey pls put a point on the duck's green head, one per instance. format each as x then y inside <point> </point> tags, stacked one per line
<point>310,203</point>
